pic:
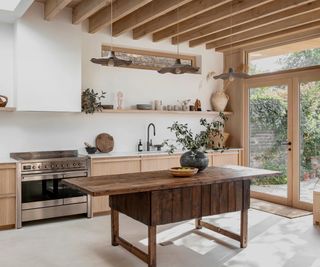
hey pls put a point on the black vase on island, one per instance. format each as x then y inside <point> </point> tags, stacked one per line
<point>195,159</point>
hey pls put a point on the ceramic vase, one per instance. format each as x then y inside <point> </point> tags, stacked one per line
<point>219,101</point>
<point>195,159</point>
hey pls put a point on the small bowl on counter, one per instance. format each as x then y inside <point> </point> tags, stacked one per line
<point>183,171</point>
<point>91,150</point>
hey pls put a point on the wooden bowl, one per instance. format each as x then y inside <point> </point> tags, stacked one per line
<point>183,171</point>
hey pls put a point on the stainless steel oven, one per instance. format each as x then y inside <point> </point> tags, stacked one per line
<point>40,192</point>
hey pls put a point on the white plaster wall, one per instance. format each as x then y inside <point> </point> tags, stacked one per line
<point>23,131</point>
<point>6,61</point>
<point>47,62</point>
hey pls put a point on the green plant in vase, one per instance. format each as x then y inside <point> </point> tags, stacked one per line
<point>91,101</point>
<point>197,144</point>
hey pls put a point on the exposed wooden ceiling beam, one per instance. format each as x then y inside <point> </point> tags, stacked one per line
<point>148,12</point>
<point>120,9</point>
<point>207,17</point>
<point>87,8</point>
<point>284,15</point>
<point>53,7</point>
<point>250,15</point>
<point>261,44</point>
<point>264,30</point>
<point>184,12</point>
<point>296,31</point>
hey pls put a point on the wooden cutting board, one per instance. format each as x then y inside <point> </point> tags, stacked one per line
<point>104,142</point>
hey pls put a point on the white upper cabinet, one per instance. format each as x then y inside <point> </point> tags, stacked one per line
<point>47,62</point>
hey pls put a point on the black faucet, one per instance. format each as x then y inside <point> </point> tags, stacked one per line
<point>149,143</point>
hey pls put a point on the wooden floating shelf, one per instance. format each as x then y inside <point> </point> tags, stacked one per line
<point>7,109</point>
<point>199,113</point>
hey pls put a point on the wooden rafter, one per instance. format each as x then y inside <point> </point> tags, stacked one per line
<point>120,9</point>
<point>247,16</point>
<point>306,35</point>
<point>148,12</point>
<point>53,7</point>
<point>87,8</point>
<point>215,14</point>
<point>186,11</point>
<point>284,15</point>
<point>284,35</point>
<point>268,29</point>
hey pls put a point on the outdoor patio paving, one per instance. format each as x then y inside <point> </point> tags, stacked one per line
<point>306,189</point>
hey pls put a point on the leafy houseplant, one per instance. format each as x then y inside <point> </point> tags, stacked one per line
<point>91,101</point>
<point>196,144</point>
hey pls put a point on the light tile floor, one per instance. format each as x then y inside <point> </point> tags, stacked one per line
<point>80,242</point>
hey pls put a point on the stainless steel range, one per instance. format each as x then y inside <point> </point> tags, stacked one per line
<point>40,193</point>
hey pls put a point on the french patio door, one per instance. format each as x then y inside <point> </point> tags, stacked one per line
<point>282,132</point>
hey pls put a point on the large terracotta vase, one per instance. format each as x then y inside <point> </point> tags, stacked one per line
<point>219,101</point>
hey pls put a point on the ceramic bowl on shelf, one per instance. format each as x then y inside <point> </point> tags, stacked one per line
<point>144,106</point>
<point>107,106</point>
<point>183,171</point>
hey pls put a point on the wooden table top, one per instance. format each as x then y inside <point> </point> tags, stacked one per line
<point>157,180</point>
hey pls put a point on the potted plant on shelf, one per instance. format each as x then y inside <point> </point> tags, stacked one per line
<point>91,101</point>
<point>196,144</point>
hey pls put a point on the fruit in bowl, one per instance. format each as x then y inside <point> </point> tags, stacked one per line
<point>183,171</point>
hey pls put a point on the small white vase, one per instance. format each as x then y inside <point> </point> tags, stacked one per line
<point>219,101</point>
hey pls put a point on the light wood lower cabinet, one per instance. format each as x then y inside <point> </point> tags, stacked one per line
<point>7,196</point>
<point>233,157</point>
<point>158,163</point>
<point>108,166</point>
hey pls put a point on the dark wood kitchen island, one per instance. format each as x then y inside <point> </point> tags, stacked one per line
<point>157,198</point>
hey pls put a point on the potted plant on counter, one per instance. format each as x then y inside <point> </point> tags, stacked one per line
<point>196,144</point>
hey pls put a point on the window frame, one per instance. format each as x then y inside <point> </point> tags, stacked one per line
<point>192,58</point>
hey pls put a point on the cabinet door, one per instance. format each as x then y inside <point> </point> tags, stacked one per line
<point>114,166</point>
<point>108,167</point>
<point>154,163</point>
<point>159,163</point>
<point>7,195</point>
<point>7,212</point>
<point>7,179</point>
<point>226,158</point>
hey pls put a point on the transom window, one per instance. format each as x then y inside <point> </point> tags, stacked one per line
<point>291,56</point>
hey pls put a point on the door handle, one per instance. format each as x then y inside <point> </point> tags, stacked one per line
<point>286,143</point>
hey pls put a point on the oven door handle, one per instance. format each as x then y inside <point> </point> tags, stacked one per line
<point>39,177</point>
<point>75,174</point>
<point>51,176</point>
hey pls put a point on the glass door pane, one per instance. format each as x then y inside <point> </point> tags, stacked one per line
<point>309,153</point>
<point>268,137</point>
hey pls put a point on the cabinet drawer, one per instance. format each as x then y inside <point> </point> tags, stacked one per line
<point>159,163</point>
<point>7,211</point>
<point>220,159</point>
<point>7,180</point>
<point>115,166</point>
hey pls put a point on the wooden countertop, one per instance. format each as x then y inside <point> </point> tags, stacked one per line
<point>158,180</point>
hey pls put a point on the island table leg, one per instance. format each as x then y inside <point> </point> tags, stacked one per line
<point>198,223</point>
<point>114,227</point>
<point>152,246</point>
<point>244,228</point>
